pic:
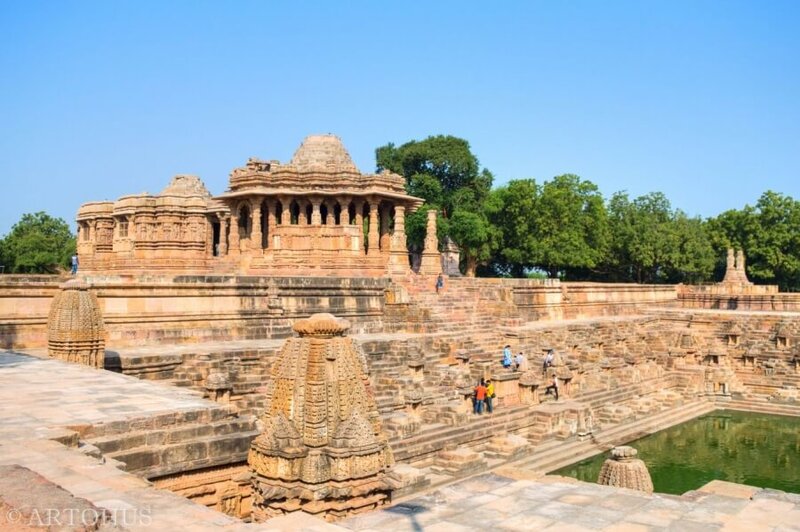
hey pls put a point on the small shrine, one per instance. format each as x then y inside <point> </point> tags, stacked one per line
<point>323,450</point>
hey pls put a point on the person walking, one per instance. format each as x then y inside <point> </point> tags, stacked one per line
<point>507,357</point>
<point>439,283</point>
<point>489,396</point>
<point>480,396</point>
<point>548,361</point>
<point>553,387</point>
<point>520,364</point>
<point>74,262</point>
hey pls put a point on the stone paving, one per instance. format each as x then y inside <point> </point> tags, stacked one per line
<point>39,398</point>
<point>493,502</point>
<point>37,394</point>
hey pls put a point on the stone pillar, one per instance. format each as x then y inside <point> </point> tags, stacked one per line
<point>210,236</point>
<point>223,235</point>
<point>272,206</point>
<point>255,234</point>
<point>431,263</point>
<point>398,260</point>
<point>233,239</point>
<point>316,216</point>
<point>385,236</point>
<point>373,236</point>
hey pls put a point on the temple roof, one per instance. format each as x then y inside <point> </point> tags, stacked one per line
<point>321,166</point>
<point>186,185</point>
<point>322,152</point>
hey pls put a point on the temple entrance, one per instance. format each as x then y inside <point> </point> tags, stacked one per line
<point>215,232</point>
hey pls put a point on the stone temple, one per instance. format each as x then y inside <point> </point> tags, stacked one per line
<point>267,359</point>
<point>316,215</point>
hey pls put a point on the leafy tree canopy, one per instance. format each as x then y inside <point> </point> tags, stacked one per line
<point>38,243</point>
<point>444,171</point>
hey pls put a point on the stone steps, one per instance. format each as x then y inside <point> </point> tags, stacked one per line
<point>761,406</point>
<point>169,444</point>
<point>553,455</point>
<point>432,438</point>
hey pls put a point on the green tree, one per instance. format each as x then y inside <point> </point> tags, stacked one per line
<point>514,218</point>
<point>694,258</point>
<point>570,226</point>
<point>446,174</point>
<point>38,243</point>
<point>651,242</point>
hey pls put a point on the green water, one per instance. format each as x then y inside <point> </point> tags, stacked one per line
<point>747,448</point>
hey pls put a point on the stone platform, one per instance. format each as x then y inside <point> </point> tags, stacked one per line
<point>494,502</point>
<point>48,407</point>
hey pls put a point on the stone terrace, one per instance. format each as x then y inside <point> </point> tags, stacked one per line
<point>47,407</point>
<point>493,502</point>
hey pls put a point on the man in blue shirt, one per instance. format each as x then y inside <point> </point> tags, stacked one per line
<point>507,356</point>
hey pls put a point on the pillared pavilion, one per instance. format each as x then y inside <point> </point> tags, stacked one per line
<point>316,215</point>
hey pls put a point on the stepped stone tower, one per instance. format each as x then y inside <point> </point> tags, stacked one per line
<point>75,331</point>
<point>323,450</point>
<point>735,273</point>
<point>624,470</point>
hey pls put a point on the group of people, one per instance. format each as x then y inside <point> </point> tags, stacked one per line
<point>518,363</point>
<point>514,362</point>
<point>484,393</point>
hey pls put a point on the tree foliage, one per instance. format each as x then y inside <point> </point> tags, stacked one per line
<point>769,234</point>
<point>566,228</point>
<point>444,171</point>
<point>38,243</point>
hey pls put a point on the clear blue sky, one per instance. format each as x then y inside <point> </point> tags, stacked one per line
<point>699,100</point>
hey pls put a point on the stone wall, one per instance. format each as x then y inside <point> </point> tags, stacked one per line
<point>192,309</point>
<point>723,297</point>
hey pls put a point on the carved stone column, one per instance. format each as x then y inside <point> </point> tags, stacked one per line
<point>431,262</point>
<point>233,239</point>
<point>223,235</point>
<point>255,234</point>
<point>272,206</point>
<point>373,236</point>
<point>385,236</point>
<point>210,236</point>
<point>316,216</point>
<point>398,260</point>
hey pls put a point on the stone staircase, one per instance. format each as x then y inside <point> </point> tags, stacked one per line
<point>554,454</point>
<point>176,442</point>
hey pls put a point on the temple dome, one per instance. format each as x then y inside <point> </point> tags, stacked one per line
<point>323,152</point>
<point>186,185</point>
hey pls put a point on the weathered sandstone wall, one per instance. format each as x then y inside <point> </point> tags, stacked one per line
<point>185,309</point>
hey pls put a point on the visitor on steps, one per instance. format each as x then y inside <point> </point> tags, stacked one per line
<point>489,396</point>
<point>439,283</point>
<point>548,361</point>
<point>520,364</point>
<point>553,387</point>
<point>74,264</point>
<point>507,357</point>
<point>480,396</point>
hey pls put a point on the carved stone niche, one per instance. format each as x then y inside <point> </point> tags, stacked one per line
<point>413,399</point>
<point>782,336</point>
<point>416,363</point>
<point>530,385</point>
<point>219,387</point>
<point>733,335</point>
<point>463,359</point>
